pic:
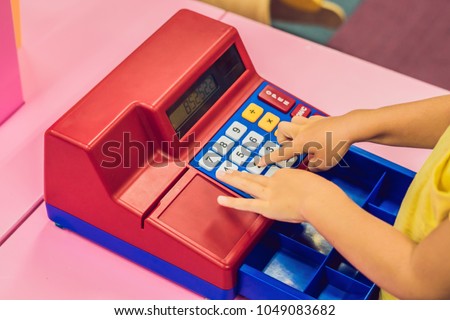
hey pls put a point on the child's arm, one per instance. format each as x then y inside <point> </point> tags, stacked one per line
<point>414,124</point>
<point>390,259</point>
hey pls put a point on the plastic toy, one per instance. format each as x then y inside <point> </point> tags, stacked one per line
<point>131,166</point>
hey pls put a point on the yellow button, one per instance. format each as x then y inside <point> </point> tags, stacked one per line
<point>252,112</point>
<point>268,122</point>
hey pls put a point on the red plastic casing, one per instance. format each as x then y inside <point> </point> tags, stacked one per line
<point>156,202</point>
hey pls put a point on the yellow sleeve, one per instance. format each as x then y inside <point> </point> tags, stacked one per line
<point>258,10</point>
<point>441,185</point>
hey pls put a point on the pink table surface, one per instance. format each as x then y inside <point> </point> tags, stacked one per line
<point>40,257</point>
<point>66,49</point>
<point>41,261</point>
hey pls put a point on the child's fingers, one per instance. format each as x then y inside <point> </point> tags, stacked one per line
<point>254,205</point>
<point>262,180</point>
<point>286,131</point>
<point>280,136</point>
<point>239,181</point>
<point>299,120</point>
<point>315,163</point>
<point>285,152</point>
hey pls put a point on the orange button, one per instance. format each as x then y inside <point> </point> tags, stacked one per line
<point>268,122</point>
<point>252,112</point>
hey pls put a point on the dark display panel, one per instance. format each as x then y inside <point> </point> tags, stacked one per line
<point>202,95</point>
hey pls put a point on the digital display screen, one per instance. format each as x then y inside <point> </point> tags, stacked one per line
<point>205,91</point>
<point>193,102</point>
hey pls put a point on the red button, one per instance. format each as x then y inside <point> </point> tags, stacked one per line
<point>276,98</point>
<point>301,111</point>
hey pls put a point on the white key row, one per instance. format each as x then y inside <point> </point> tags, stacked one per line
<point>237,158</point>
<point>252,141</point>
<point>236,130</point>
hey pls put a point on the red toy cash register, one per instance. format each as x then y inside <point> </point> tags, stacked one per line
<point>132,167</point>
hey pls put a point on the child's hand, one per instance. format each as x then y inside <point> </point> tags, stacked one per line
<point>288,195</point>
<point>323,139</point>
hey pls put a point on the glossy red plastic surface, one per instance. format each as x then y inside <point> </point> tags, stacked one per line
<point>113,159</point>
<point>301,110</point>
<point>196,214</point>
<point>276,98</point>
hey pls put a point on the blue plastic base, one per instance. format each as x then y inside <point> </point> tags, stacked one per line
<point>67,221</point>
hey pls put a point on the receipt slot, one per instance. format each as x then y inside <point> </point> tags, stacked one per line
<point>132,166</point>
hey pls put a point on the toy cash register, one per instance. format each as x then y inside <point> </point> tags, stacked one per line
<point>132,167</point>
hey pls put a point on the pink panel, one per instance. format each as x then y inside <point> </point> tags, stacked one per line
<point>10,88</point>
<point>41,261</point>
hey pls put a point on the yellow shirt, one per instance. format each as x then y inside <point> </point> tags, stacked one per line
<point>427,201</point>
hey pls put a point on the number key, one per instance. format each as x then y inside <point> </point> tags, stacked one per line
<point>287,163</point>
<point>268,147</point>
<point>236,130</point>
<point>223,145</point>
<point>239,155</point>
<point>252,140</point>
<point>253,168</point>
<point>209,160</point>
<point>227,166</point>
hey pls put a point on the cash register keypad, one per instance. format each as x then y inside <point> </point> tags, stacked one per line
<point>249,135</point>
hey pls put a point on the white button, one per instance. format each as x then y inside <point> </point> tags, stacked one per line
<point>223,145</point>
<point>240,155</point>
<point>268,147</point>
<point>236,130</point>
<point>227,166</point>
<point>253,168</point>
<point>271,171</point>
<point>209,160</point>
<point>287,163</point>
<point>252,140</point>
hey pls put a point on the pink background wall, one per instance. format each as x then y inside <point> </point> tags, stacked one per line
<point>10,88</point>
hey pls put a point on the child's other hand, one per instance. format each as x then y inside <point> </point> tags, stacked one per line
<point>323,139</point>
<point>286,196</point>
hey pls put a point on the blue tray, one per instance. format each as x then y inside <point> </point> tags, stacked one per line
<point>293,261</point>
